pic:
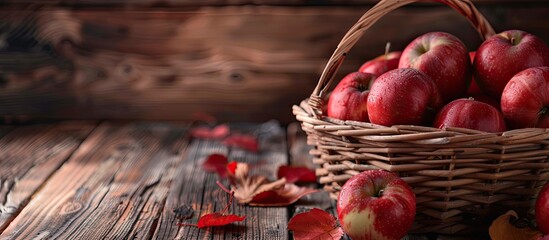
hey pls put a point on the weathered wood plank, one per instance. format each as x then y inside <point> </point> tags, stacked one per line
<point>197,188</point>
<point>230,62</point>
<point>114,186</point>
<point>29,155</point>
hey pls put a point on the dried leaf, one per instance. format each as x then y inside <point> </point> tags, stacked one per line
<point>246,142</point>
<point>315,224</point>
<point>218,219</point>
<point>183,212</point>
<point>501,229</point>
<point>219,132</point>
<point>281,197</point>
<point>216,163</point>
<point>246,187</point>
<point>296,174</point>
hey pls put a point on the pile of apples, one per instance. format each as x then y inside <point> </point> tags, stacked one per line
<point>437,82</point>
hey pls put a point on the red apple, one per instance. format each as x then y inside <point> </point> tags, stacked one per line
<point>403,96</point>
<point>486,99</point>
<point>503,55</point>
<point>376,204</point>
<point>444,58</point>
<point>348,100</point>
<point>471,114</point>
<point>525,99</point>
<point>381,64</point>
<point>542,210</point>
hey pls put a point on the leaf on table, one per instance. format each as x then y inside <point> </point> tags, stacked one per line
<point>216,163</point>
<point>183,212</point>
<point>315,224</point>
<point>296,174</point>
<point>502,229</point>
<point>246,187</point>
<point>218,132</point>
<point>281,197</point>
<point>231,168</point>
<point>244,141</point>
<point>218,219</point>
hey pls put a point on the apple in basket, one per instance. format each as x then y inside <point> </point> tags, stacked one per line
<point>381,64</point>
<point>503,55</point>
<point>348,100</point>
<point>525,99</point>
<point>376,204</point>
<point>542,210</point>
<point>471,114</point>
<point>403,96</point>
<point>444,58</point>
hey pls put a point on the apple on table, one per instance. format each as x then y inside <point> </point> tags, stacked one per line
<point>444,58</point>
<point>542,210</point>
<point>376,205</point>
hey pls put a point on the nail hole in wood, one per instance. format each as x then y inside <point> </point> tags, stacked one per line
<point>236,77</point>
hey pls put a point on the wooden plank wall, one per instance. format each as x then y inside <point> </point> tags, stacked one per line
<point>242,62</point>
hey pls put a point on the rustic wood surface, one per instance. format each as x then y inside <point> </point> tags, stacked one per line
<point>29,155</point>
<point>115,180</point>
<point>81,180</point>
<point>230,62</point>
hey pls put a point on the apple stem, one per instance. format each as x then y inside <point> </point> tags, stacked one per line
<point>380,193</point>
<point>387,49</point>
<point>513,41</point>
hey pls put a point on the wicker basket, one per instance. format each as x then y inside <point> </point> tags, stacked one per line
<point>460,176</point>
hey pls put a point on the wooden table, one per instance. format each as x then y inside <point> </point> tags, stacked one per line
<point>108,180</point>
<point>124,180</point>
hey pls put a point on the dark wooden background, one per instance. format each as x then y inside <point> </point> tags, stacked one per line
<point>240,60</point>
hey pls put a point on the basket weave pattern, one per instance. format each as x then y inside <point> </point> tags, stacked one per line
<point>459,175</point>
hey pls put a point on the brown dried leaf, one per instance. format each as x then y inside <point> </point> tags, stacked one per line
<point>246,187</point>
<point>501,229</point>
<point>281,197</point>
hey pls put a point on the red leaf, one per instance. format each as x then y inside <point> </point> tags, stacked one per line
<point>218,132</point>
<point>296,174</point>
<point>218,219</point>
<point>231,167</point>
<point>280,197</point>
<point>216,163</point>
<point>315,224</point>
<point>243,141</point>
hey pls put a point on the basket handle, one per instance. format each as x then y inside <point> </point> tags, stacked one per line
<point>464,7</point>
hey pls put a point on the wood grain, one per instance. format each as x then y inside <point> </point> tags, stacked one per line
<point>114,186</point>
<point>230,62</point>
<point>29,155</point>
<point>197,188</point>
